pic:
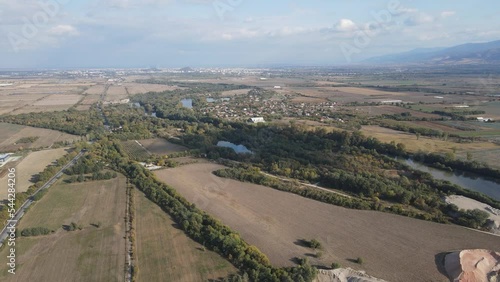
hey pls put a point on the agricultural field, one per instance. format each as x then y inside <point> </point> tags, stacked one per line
<point>161,146</point>
<point>116,93</point>
<point>391,110</point>
<point>385,241</point>
<point>31,165</point>
<point>139,88</point>
<point>488,156</point>
<point>90,254</point>
<point>492,110</point>
<point>232,93</point>
<point>97,90</point>
<point>12,133</point>
<point>423,143</point>
<point>135,150</point>
<point>32,95</point>
<point>165,253</point>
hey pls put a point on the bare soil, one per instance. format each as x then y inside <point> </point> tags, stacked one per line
<point>393,247</point>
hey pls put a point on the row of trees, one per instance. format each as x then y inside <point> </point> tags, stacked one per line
<point>94,177</point>
<point>35,231</point>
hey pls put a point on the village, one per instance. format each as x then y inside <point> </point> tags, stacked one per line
<point>258,105</point>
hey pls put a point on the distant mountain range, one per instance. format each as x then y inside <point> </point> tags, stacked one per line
<point>470,53</point>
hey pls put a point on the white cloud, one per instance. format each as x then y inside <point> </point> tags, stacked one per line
<point>345,25</point>
<point>63,30</point>
<point>446,14</point>
<point>419,19</point>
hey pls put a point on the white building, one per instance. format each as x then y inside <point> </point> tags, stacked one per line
<point>277,87</point>
<point>256,120</point>
<point>4,158</point>
<point>484,119</point>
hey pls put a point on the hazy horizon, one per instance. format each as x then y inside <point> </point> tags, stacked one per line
<point>203,33</point>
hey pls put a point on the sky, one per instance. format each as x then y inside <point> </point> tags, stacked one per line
<point>232,33</point>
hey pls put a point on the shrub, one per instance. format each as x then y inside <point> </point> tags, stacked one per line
<point>336,265</point>
<point>35,231</point>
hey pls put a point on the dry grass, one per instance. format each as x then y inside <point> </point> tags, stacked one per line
<point>393,247</point>
<point>425,144</point>
<point>232,93</point>
<point>432,125</point>
<point>165,253</point>
<point>91,254</point>
<point>389,110</point>
<point>59,100</point>
<point>32,95</point>
<point>140,88</point>
<point>96,89</point>
<point>161,146</point>
<point>33,164</point>
<point>10,134</point>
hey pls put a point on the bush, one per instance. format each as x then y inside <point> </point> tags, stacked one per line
<point>336,265</point>
<point>314,244</point>
<point>360,260</point>
<point>73,226</point>
<point>35,231</point>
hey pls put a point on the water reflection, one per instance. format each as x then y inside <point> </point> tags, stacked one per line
<point>468,181</point>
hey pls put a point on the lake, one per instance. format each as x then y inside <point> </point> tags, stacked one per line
<point>187,103</point>
<point>466,180</point>
<point>240,149</point>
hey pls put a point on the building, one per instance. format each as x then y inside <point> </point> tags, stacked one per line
<point>277,87</point>
<point>4,158</point>
<point>256,120</point>
<point>484,119</point>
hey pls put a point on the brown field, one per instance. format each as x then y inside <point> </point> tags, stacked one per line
<point>232,93</point>
<point>425,144</point>
<point>90,254</point>
<point>488,156</point>
<point>389,110</point>
<point>165,253</point>
<point>139,88</point>
<point>59,100</point>
<point>10,134</point>
<point>346,94</point>
<point>311,100</point>
<point>33,164</point>
<point>161,146</point>
<point>432,125</point>
<point>31,95</point>
<point>370,92</point>
<point>393,247</point>
<point>96,89</point>
<point>117,90</point>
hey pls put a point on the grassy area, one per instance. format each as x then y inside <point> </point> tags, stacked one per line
<point>165,253</point>
<point>90,254</point>
<point>135,151</point>
<point>425,144</point>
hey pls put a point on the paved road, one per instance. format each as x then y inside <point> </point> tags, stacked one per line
<point>21,210</point>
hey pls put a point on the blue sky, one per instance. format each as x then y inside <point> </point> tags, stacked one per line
<point>176,33</point>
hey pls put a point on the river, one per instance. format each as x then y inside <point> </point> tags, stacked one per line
<point>466,180</point>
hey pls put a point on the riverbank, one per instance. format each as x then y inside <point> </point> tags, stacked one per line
<point>469,204</point>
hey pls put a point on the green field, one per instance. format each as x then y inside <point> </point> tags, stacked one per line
<point>135,151</point>
<point>94,253</point>
<point>165,253</point>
